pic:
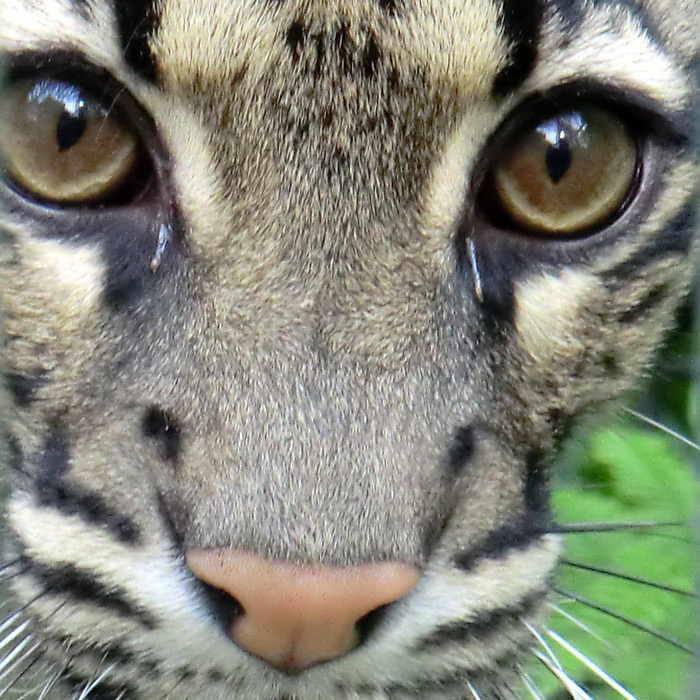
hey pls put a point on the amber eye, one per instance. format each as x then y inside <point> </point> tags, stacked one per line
<point>61,144</point>
<point>569,174</point>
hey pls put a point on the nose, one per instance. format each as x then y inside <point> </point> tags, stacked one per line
<point>297,616</point>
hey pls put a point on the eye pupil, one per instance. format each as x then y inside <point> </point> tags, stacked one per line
<point>69,130</point>
<point>558,160</point>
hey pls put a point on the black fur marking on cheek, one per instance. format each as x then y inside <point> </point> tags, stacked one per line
<point>461,450</point>
<point>482,625</point>
<point>52,492</point>
<point>158,424</point>
<point>92,509</point>
<point>24,387</point>
<point>675,238</point>
<point>508,538</point>
<point>53,463</point>
<point>295,38</point>
<point>15,457</point>
<point>521,22</point>
<point>371,58</point>
<point>102,691</point>
<point>389,6</point>
<point>137,21</point>
<point>82,585</point>
<point>652,299</point>
<point>536,492</point>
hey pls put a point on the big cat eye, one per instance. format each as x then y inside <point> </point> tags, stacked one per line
<point>62,145</point>
<point>568,174</point>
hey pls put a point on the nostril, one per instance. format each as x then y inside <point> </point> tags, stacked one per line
<point>224,606</point>
<point>368,623</point>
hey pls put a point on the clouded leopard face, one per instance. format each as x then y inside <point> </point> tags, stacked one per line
<point>300,300</point>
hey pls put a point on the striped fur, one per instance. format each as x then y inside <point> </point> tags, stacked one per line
<point>304,339</point>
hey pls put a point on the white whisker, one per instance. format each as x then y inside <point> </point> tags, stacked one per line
<point>472,690</point>
<point>15,652</point>
<point>51,683</point>
<point>92,685</point>
<point>570,685</point>
<point>663,428</point>
<point>531,687</point>
<point>14,634</point>
<point>27,655</point>
<point>543,643</point>
<point>580,624</point>
<point>605,677</point>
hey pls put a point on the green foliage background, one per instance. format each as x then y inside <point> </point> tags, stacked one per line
<point>632,472</point>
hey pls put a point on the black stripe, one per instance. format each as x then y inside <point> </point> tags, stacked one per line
<point>676,237</point>
<point>54,492</point>
<point>23,387</point>
<point>652,299</point>
<point>137,21</point>
<point>84,586</point>
<point>92,509</point>
<point>104,690</point>
<point>461,450</point>
<point>511,537</point>
<point>482,625</point>
<point>521,21</point>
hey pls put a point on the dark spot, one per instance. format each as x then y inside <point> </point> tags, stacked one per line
<point>24,387</point>
<point>521,22</point>
<point>345,46</point>
<point>370,59</point>
<point>295,38</point>
<point>15,457</point>
<point>215,676</point>
<point>558,160</point>
<point>646,303</point>
<point>53,464</point>
<point>461,450</point>
<point>536,491</point>
<point>137,22</point>
<point>388,6</point>
<point>69,130</point>
<point>610,363</point>
<point>158,424</point>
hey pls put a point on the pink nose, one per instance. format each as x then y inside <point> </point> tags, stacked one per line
<point>297,616</point>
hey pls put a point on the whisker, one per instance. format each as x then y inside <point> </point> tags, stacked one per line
<point>628,577</point>
<point>51,683</point>
<point>570,685</point>
<point>576,528</point>
<point>543,643</point>
<point>472,690</point>
<point>530,686</point>
<point>605,677</point>
<point>580,624</point>
<point>663,428</point>
<point>627,620</point>
<point>27,655</point>
<point>93,684</point>
<point>14,634</point>
<point>15,652</point>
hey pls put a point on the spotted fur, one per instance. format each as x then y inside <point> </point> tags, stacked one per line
<point>335,358</point>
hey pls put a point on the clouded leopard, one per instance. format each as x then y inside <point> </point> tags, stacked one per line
<point>301,298</point>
